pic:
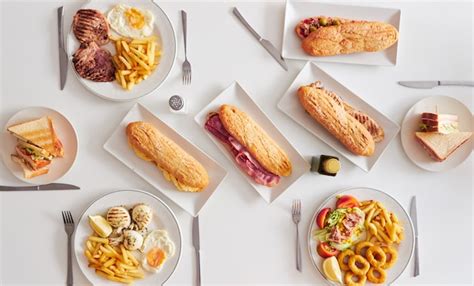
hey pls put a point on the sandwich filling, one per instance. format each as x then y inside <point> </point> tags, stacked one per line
<point>34,157</point>
<point>309,25</point>
<point>243,158</point>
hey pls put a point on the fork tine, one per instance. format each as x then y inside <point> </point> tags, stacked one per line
<point>64,218</point>
<point>71,220</point>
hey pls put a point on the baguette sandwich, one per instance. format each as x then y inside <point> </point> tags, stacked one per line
<point>329,36</point>
<point>178,167</point>
<point>253,149</point>
<point>357,131</point>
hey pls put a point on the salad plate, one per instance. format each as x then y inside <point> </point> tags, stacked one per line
<point>404,248</point>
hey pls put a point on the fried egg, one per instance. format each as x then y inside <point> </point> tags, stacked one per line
<point>130,21</point>
<point>157,248</point>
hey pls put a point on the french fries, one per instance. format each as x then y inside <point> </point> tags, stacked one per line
<point>135,60</point>
<point>114,264</point>
<point>383,226</point>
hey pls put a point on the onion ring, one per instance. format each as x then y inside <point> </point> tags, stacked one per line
<point>361,246</point>
<point>391,256</point>
<point>358,265</point>
<point>350,282</point>
<point>376,256</point>
<point>342,257</point>
<point>374,279</point>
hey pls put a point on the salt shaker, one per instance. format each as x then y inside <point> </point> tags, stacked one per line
<point>177,104</point>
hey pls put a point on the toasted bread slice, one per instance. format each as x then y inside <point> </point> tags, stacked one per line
<point>39,132</point>
<point>440,146</point>
<point>27,172</point>
<point>183,170</point>
<point>260,145</point>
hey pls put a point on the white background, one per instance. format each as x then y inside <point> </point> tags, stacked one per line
<point>244,240</point>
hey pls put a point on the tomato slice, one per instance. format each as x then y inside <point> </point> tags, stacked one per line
<point>325,250</point>
<point>347,201</point>
<point>321,217</point>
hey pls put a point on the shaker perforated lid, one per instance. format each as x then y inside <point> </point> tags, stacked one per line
<point>176,102</point>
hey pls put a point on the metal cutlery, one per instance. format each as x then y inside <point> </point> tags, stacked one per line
<point>48,187</point>
<point>265,43</point>
<point>435,83</point>
<point>186,64</point>
<point>197,248</point>
<point>63,59</point>
<point>296,216</point>
<point>69,228</point>
<point>414,218</point>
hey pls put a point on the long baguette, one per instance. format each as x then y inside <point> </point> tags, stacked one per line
<point>185,172</point>
<point>328,109</point>
<point>261,146</point>
<point>350,37</point>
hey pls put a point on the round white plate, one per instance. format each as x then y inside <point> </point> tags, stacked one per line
<point>166,39</point>
<point>411,123</point>
<point>163,218</point>
<point>65,132</point>
<point>406,247</point>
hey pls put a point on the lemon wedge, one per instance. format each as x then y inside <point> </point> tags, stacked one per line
<point>100,225</point>
<point>331,269</point>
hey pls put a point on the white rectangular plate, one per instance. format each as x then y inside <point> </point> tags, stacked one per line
<point>290,105</point>
<point>117,145</point>
<point>297,11</point>
<point>237,96</point>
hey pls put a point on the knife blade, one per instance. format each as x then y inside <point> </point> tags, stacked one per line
<point>48,187</point>
<point>426,84</point>
<point>197,248</point>
<point>63,59</point>
<point>414,219</point>
<point>264,42</point>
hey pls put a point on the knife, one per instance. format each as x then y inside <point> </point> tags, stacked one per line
<point>414,219</point>
<point>48,187</point>
<point>434,83</point>
<point>197,249</point>
<point>265,43</point>
<point>63,60</point>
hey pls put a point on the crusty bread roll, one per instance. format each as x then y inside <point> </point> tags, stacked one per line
<point>261,146</point>
<point>350,37</point>
<point>185,172</point>
<point>329,110</point>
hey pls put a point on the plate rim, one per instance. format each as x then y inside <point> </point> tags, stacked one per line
<point>107,148</point>
<point>74,132</point>
<point>198,115</point>
<point>310,65</point>
<point>392,63</point>
<point>70,34</point>
<point>137,191</point>
<point>347,190</point>
<point>405,119</point>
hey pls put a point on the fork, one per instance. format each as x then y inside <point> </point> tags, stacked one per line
<point>69,228</point>
<point>296,215</point>
<point>186,64</point>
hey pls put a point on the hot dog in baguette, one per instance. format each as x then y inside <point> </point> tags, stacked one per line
<point>329,36</point>
<point>254,151</point>
<point>185,172</point>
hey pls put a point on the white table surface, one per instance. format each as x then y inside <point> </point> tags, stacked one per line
<point>244,240</point>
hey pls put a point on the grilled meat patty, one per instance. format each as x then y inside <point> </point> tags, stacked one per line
<point>91,26</point>
<point>94,63</point>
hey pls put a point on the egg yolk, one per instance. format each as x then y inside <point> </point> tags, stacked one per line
<point>135,18</point>
<point>155,257</point>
